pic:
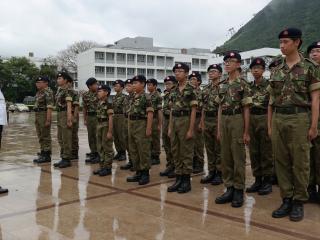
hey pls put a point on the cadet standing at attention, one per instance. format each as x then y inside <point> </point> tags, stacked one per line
<point>198,158</point>
<point>183,102</point>
<point>169,83</point>
<point>43,117</point>
<point>64,117</point>
<point>233,130</point>
<point>90,104</point>
<point>294,92</point>
<point>119,128</point>
<point>260,143</point>
<point>209,121</point>
<point>126,108</point>
<point>140,130</point>
<point>314,194</point>
<point>104,132</point>
<point>156,100</point>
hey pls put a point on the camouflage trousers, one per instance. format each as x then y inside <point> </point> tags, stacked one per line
<point>118,132</point>
<point>182,148</point>
<point>75,138</point>
<point>155,142</point>
<point>104,145</point>
<point>291,150</point>
<point>166,142</point>
<point>139,145</point>
<point>211,144</point>
<point>64,136</point>
<point>92,133</point>
<point>233,155</point>
<point>260,147</point>
<point>126,136</point>
<point>43,132</point>
<point>199,143</point>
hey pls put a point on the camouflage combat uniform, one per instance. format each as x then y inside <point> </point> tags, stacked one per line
<point>156,100</point>
<point>119,121</point>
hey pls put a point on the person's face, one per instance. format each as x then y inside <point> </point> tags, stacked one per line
<point>180,74</point>
<point>214,74</point>
<point>231,65</point>
<point>117,88</point>
<point>138,86</point>
<point>61,81</point>
<point>41,85</point>
<point>168,85</point>
<point>94,87</point>
<point>151,87</point>
<point>102,94</point>
<point>257,71</point>
<point>129,88</point>
<point>288,46</point>
<point>194,82</point>
<point>315,55</point>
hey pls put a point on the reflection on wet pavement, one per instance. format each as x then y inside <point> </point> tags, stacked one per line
<point>46,203</point>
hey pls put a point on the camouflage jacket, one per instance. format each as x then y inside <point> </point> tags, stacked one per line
<point>117,102</point>
<point>209,94</point>
<point>183,101</point>
<point>198,93</point>
<point>156,100</point>
<point>44,99</point>
<point>90,101</point>
<point>234,95</point>
<point>260,94</point>
<point>63,96</point>
<point>75,98</point>
<point>166,105</point>
<point>141,105</point>
<point>104,109</point>
<point>292,87</point>
<point>127,102</point>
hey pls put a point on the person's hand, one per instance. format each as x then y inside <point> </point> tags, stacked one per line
<point>148,132</point>
<point>200,127</point>
<point>48,123</point>
<point>69,122</point>
<point>109,135</point>
<point>246,138</point>
<point>189,134</point>
<point>313,133</point>
<point>159,127</point>
<point>269,132</point>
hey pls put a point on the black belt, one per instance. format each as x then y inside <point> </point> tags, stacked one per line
<point>181,113</point>
<point>258,111</point>
<point>166,116</point>
<point>61,109</point>
<point>198,114</point>
<point>230,112</point>
<point>211,114</point>
<point>100,120</point>
<point>290,110</point>
<point>40,109</point>
<point>137,118</point>
<point>91,113</point>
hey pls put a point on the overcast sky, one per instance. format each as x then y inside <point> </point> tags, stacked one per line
<point>47,26</point>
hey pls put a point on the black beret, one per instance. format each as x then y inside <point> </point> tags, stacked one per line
<point>118,82</point>
<point>153,81</point>
<point>104,88</point>
<point>312,46</point>
<point>91,81</point>
<point>258,62</point>
<point>197,75</point>
<point>275,62</point>
<point>128,81</point>
<point>139,78</point>
<point>215,66</point>
<point>183,66</point>
<point>42,79</point>
<point>170,78</point>
<point>65,76</point>
<point>232,55</point>
<point>290,33</point>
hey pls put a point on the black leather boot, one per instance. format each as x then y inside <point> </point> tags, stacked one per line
<point>166,172</point>
<point>313,195</point>
<point>208,178</point>
<point>266,187</point>
<point>105,171</point>
<point>297,212</point>
<point>155,160</point>
<point>127,166</point>
<point>145,177</point>
<point>217,180</point>
<point>64,163</point>
<point>172,173</point>
<point>226,197</point>
<point>46,157</point>
<point>39,156</point>
<point>284,210</point>
<point>185,185</point>
<point>95,158</point>
<point>255,186</point>
<point>274,180</point>
<point>197,167</point>
<point>116,157</point>
<point>237,200</point>
<point>176,185</point>
<point>3,190</point>
<point>135,178</point>
<point>122,156</point>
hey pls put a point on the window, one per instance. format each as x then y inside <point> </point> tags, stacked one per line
<point>99,55</point>
<point>130,72</point>
<point>131,57</point>
<point>121,72</point>
<point>141,58</point>
<point>150,73</point>
<point>99,70</point>
<point>160,60</point>
<point>169,61</point>
<point>141,71</point>
<point>121,57</point>
<point>110,70</point>
<point>110,56</point>
<point>195,61</point>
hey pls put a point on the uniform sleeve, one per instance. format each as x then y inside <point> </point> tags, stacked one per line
<point>49,100</point>
<point>149,104</point>
<point>84,100</point>
<point>193,97</point>
<point>314,75</point>
<point>69,96</point>
<point>247,95</point>
<point>159,103</point>
<point>109,109</point>
<point>75,100</point>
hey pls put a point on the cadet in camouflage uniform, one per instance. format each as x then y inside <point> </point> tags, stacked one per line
<point>294,88</point>
<point>233,130</point>
<point>209,121</point>
<point>119,120</point>
<point>90,103</point>
<point>169,83</point>
<point>198,158</point>
<point>183,103</point>
<point>43,116</point>
<point>65,119</point>
<point>314,195</point>
<point>260,143</point>
<point>126,107</point>
<point>140,131</point>
<point>104,132</point>
<point>156,100</point>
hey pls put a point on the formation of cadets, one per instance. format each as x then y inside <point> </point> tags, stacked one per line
<point>277,119</point>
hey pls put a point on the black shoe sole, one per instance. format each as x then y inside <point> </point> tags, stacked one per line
<point>280,216</point>
<point>293,219</point>
<point>236,205</point>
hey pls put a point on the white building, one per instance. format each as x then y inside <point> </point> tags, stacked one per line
<point>132,56</point>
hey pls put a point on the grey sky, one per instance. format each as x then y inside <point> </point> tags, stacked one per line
<point>47,26</point>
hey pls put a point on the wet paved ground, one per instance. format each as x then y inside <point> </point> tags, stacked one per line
<point>45,203</point>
